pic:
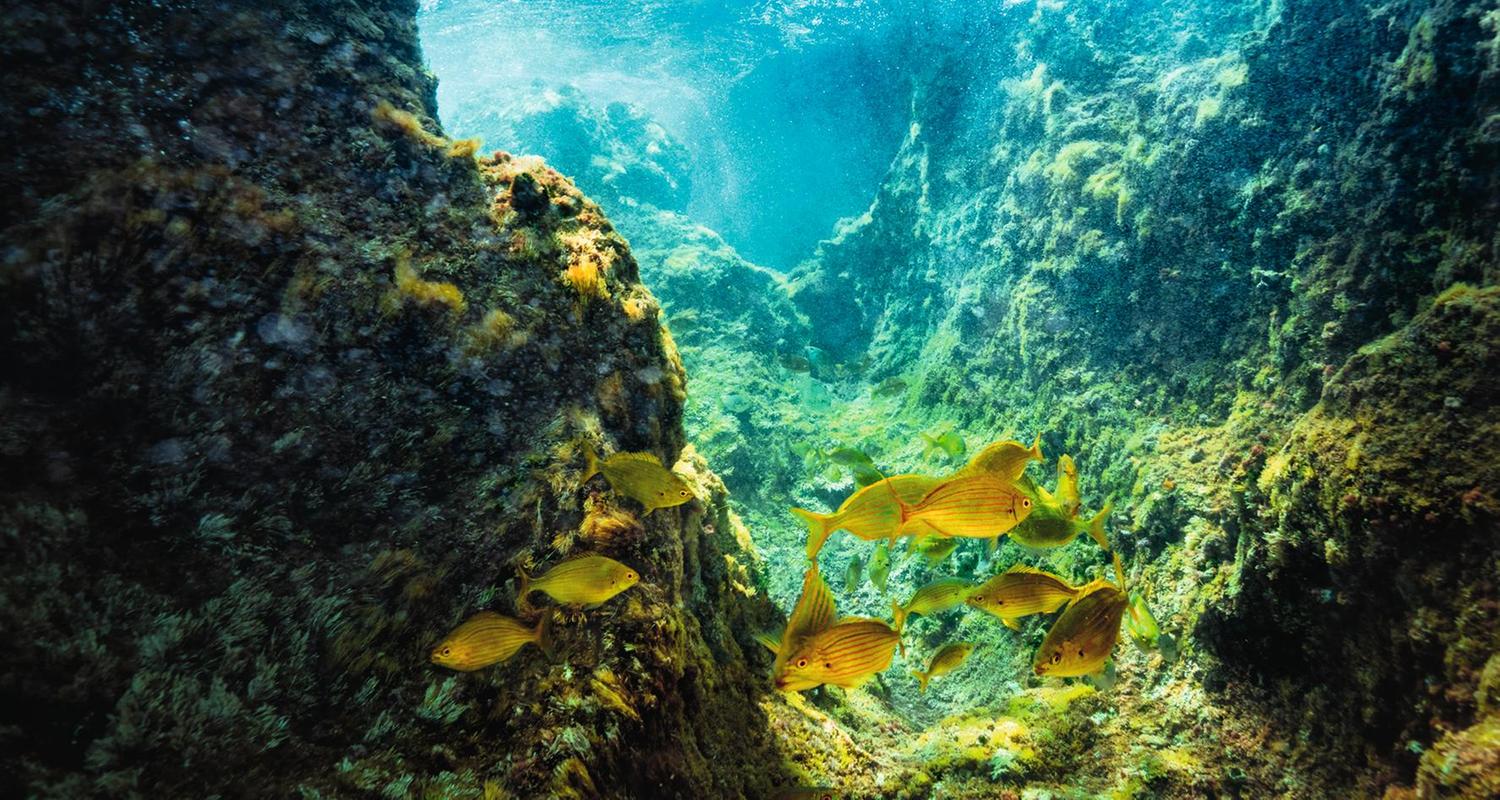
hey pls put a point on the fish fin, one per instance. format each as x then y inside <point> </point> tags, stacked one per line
<point>591,462</point>
<point>900,505</point>
<point>1036,447</point>
<point>770,641</point>
<point>1019,567</point>
<point>1011,623</point>
<point>1120,571</point>
<point>994,544</point>
<point>525,589</point>
<point>929,445</point>
<point>819,526</point>
<point>922,677</point>
<point>544,632</point>
<point>900,619</point>
<point>1096,525</point>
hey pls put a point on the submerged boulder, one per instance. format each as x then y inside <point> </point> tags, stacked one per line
<point>290,385</point>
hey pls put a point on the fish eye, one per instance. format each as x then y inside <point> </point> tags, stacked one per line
<point>447,651</point>
<point>630,576</point>
<point>683,493</point>
<point>1025,503</point>
<point>979,598</point>
<point>1080,652</point>
<point>1057,656</point>
<point>801,663</point>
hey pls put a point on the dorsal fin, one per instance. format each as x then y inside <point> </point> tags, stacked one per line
<point>645,458</point>
<point>814,612</point>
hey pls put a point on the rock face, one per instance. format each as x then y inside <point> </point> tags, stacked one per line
<point>292,385</point>
<point>1253,330</point>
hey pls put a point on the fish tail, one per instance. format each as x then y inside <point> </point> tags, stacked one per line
<point>591,462</point>
<point>900,619</point>
<point>524,590</point>
<point>929,444</point>
<point>1119,571</point>
<point>1096,525</point>
<point>900,505</point>
<point>922,677</point>
<point>818,528</point>
<point>544,632</point>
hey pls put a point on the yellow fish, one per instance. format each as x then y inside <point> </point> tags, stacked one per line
<point>972,507</point>
<point>583,580</point>
<point>944,661</point>
<point>880,566</point>
<point>641,477</point>
<point>950,443</point>
<point>1050,525</point>
<point>489,638</point>
<point>1084,636</point>
<point>940,595</point>
<point>1021,591</point>
<point>935,550</point>
<point>813,613</point>
<point>1005,460</point>
<point>1067,485</point>
<point>845,654</point>
<point>870,513</point>
<point>1141,623</point>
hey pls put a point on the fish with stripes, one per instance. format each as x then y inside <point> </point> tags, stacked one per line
<point>940,595</point>
<point>488,638</point>
<point>813,612</point>
<point>944,661</point>
<point>972,507</point>
<point>1005,460</point>
<point>1081,640</point>
<point>1020,592</point>
<point>845,654</point>
<point>870,513</point>
<point>816,647</point>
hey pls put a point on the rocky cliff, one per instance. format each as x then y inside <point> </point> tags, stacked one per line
<point>293,384</point>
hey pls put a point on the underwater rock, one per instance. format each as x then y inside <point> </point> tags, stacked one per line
<point>291,388</point>
<point>527,196</point>
<point>1367,556</point>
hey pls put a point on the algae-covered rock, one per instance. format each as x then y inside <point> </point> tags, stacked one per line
<point>292,385</point>
<point>1369,555</point>
<point>1464,765</point>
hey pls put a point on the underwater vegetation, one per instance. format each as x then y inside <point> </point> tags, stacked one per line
<point>351,449</point>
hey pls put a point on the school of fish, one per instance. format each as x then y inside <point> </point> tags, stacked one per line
<point>988,498</point>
